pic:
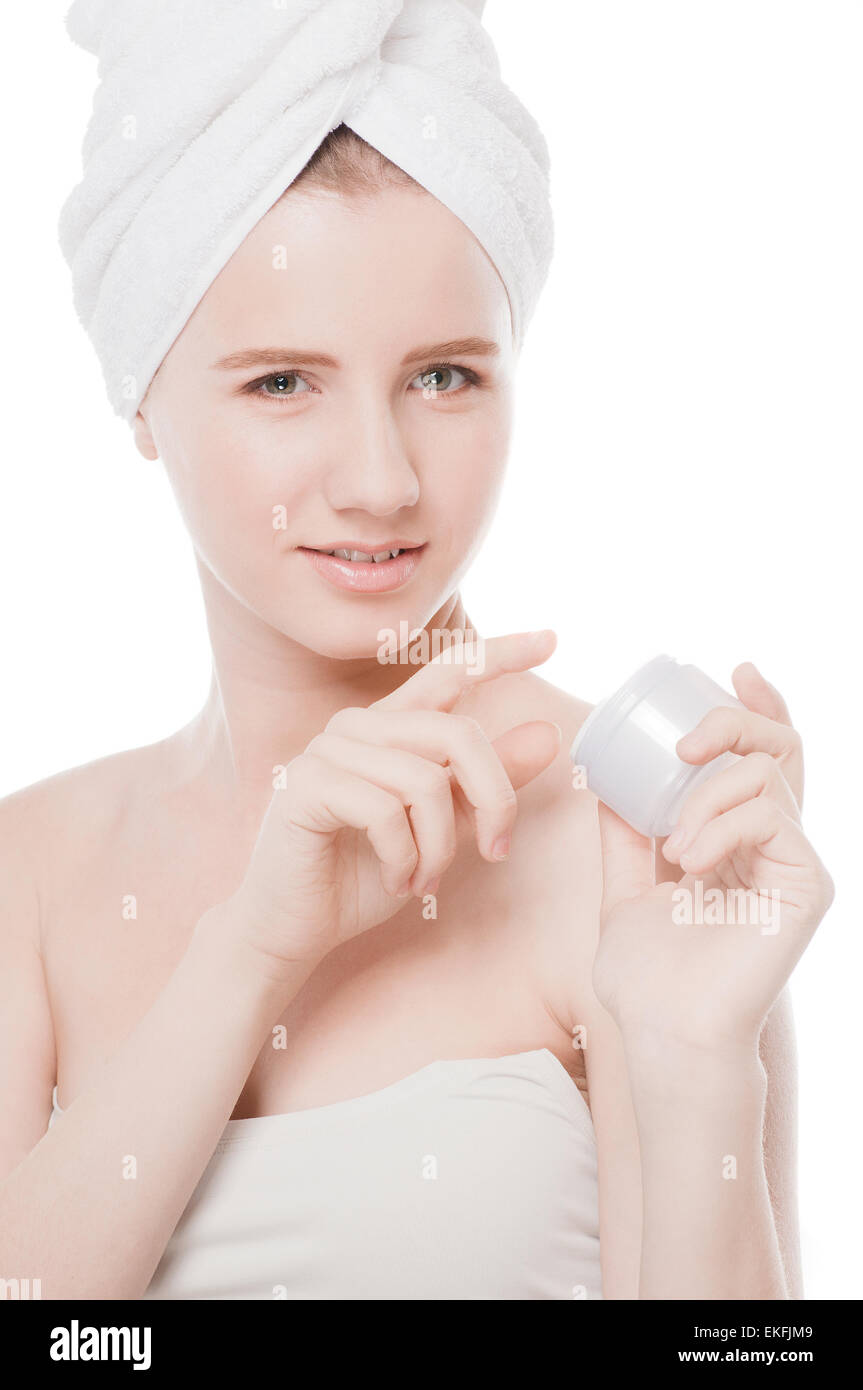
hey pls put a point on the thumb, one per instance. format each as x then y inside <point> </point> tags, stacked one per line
<point>527,750</point>
<point>627,861</point>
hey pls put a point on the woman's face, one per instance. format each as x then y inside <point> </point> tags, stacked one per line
<point>294,415</point>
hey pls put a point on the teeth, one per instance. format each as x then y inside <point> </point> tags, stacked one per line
<point>378,557</point>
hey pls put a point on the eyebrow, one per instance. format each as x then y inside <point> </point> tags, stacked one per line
<point>262,357</point>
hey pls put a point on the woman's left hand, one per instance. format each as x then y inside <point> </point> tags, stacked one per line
<point>698,961</point>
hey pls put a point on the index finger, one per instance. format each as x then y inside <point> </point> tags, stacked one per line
<point>439,683</point>
<point>724,729</point>
<point>758,694</point>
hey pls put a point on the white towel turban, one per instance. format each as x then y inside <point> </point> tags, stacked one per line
<point>208,109</point>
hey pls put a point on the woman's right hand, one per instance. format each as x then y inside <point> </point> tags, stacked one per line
<point>373,809</point>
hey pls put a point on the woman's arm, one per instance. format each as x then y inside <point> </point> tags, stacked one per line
<point>709,1229</point>
<point>667,1228</point>
<point>90,1209</point>
<point>569,996</point>
<point>692,992</point>
<point>778,1052</point>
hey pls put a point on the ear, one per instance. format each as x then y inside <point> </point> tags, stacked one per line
<point>144,441</point>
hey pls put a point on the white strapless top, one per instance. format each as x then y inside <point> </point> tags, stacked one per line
<point>468,1179</point>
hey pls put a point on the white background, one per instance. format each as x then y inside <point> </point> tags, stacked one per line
<point>685,472</point>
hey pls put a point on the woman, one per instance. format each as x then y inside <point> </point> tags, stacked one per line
<point>325,1018</point>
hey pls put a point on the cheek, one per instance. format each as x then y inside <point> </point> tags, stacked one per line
<point>464,476</point>
<point>235,488</point>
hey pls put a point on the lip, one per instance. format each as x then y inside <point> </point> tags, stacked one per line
<point>365,576</point>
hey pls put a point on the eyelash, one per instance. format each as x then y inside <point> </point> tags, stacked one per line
<point>472,379</point>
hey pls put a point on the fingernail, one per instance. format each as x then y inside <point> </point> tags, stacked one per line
<point>676,838</point>
<point>500,848</point>
<point>404,891</point>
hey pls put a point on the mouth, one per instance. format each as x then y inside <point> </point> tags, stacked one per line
<point>364,567</point>
<point>374,557</point>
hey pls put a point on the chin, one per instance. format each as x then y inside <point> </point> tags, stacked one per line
<point>355,636</point>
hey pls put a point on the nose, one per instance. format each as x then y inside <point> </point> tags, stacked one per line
<point>372,471</point>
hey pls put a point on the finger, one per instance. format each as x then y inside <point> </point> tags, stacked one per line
<point>758,694</point>
<point>753,775</point>
<point>627,864</point>
<point>461,743</point>
<point>727,729</point>
<point>329,798</point>
<point>423,786</point>
<point>758,824</point>
<point>439,683</point>
<point>524,752</point>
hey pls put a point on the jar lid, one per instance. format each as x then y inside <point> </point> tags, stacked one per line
<point>604,718</point>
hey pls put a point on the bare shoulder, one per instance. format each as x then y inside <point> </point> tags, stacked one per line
<point>45,831</point>
<point>525,695</point>
<point>518,698</point>
<point>49,822</point>
<point>551,798</point>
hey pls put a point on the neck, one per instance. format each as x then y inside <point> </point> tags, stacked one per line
<point>269,696</point>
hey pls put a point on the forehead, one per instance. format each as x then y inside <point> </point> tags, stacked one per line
<point>324,269</point>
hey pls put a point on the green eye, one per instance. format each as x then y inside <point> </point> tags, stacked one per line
<point>285,384</point>
<point>439,379</point>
